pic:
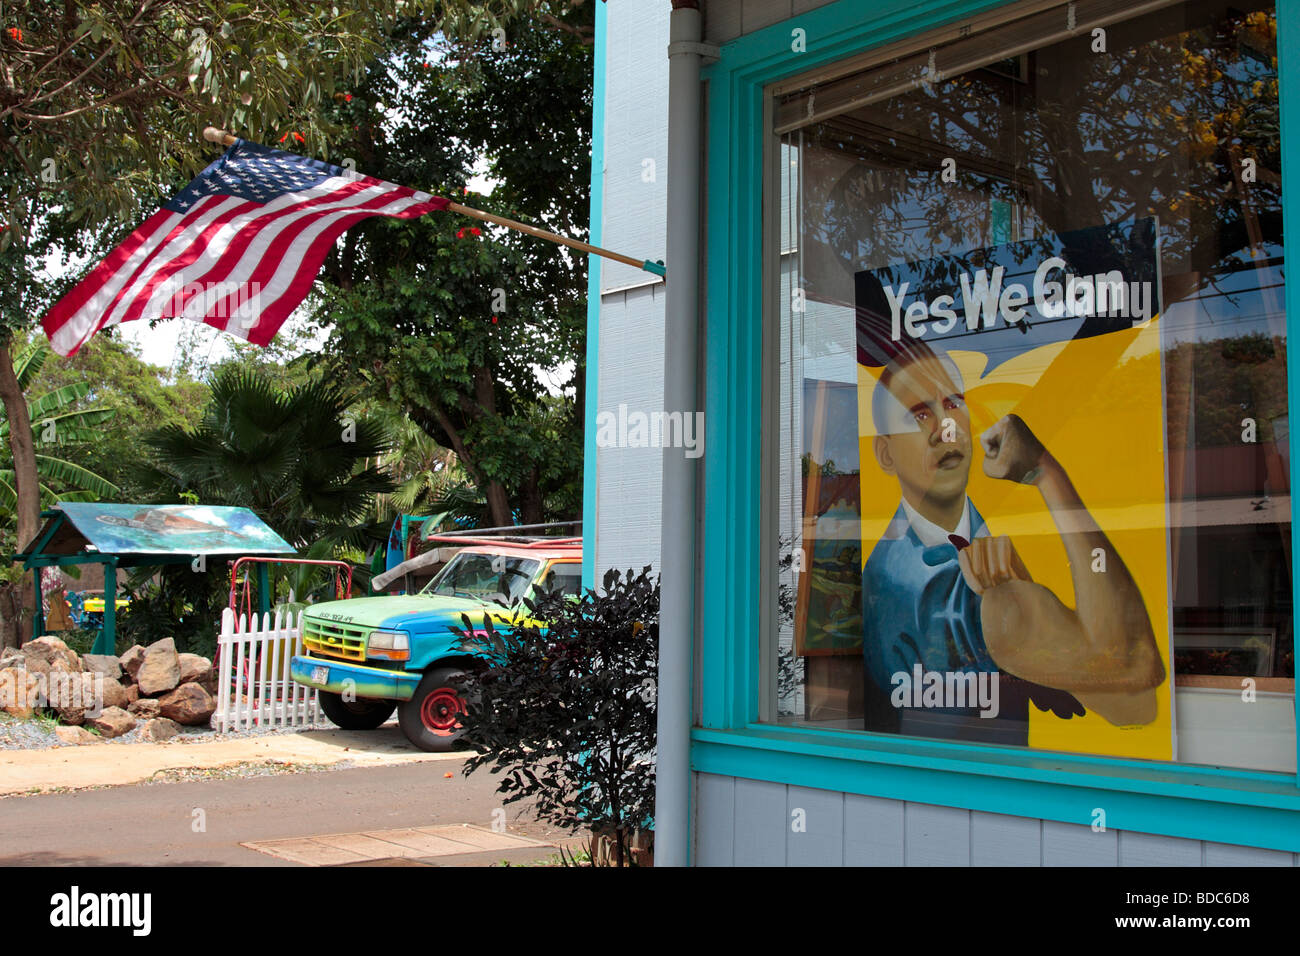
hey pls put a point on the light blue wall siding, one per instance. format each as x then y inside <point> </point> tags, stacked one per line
<point>1072,844</point>
<point>815,819</point>
<point>759,808</point>
<point>743,822</point>
<point>715,840</point>
<point>935,836</point>
<point>636,138</point>
<point>1146,849</point>
<point>628,504</point>
<point>873,831</point>
<point>1220,854</point>
<point>634,179</point>
<point>997,839</point>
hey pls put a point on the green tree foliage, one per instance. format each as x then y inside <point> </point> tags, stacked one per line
<point>101,106</point>
<point>103,103</point>
<point>139,395</point>
<point>54,452</point>
<point>295,457</point>
<point>63,431</point>
<point>1226,381</point>
<point>424,472</point>
<point>449,319</point>
<point>28,291</point>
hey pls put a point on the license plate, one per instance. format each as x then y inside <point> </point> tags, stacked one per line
<point>320,675</point>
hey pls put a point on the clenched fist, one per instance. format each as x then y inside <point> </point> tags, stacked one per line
<point>988,562</point>
<point>1011,451</point>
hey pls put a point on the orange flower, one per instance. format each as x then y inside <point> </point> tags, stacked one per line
<point>16,35</point>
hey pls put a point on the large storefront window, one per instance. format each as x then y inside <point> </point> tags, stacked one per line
<point>1031,428</point>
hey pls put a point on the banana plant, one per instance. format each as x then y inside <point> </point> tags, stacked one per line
<point>58,429</point>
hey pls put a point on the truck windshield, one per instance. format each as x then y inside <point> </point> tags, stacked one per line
<point>486,577</point>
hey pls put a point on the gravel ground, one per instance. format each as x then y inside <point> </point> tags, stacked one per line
<point>269,767</point>
<point>249,768</point>
<point>35,734</point>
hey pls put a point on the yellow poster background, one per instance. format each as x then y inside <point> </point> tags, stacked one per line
<point>1097,404</point>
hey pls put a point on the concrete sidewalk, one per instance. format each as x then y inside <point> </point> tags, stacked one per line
<point>109,764</point>
<point>270,820</point>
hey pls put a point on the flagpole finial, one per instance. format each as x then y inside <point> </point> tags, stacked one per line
<point>214,135</point>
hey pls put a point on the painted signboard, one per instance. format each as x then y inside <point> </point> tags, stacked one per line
<point>173,529</point>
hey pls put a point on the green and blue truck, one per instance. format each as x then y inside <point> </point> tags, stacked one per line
<point>367,657</point>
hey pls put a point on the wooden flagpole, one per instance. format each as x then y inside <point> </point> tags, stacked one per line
<point>214,135</point>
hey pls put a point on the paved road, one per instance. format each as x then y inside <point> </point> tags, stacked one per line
<point>151,824</point>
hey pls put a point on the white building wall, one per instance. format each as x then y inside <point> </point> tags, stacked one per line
<point>635,166</point>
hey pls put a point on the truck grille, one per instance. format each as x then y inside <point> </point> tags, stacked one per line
<point>331,639</point>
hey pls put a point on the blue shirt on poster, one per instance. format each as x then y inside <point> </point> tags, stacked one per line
<point>917,607</point>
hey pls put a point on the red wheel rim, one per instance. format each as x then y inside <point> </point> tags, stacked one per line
<point>438,711</point>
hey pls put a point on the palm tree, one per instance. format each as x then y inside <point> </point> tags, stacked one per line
<point>425,472</point>
<point>58,429</point>
<point>295,456</point>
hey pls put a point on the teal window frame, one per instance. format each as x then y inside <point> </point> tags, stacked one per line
<point>1217,804</point>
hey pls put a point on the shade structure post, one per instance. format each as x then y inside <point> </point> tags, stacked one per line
<point>38,615</point>
<point>263,589</point>
<point>106,643</point>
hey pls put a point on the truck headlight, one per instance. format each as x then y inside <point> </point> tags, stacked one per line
<point>392,645</point>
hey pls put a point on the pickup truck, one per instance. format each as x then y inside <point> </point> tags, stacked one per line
<point>370,656</point>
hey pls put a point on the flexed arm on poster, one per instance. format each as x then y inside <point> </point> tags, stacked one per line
<point>1104,652</point>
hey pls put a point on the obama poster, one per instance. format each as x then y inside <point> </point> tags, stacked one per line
<point>1011,430</point>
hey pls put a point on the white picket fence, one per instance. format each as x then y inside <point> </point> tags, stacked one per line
<point>254,690</point>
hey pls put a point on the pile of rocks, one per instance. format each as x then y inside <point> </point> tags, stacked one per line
<point>155,686</point>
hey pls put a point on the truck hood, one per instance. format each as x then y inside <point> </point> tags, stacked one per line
<point>407,612</point>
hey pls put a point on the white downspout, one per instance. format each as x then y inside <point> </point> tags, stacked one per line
<point>681,336</point>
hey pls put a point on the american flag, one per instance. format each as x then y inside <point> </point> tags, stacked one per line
<point>238,248</point>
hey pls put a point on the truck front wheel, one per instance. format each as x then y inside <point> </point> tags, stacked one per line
<point>430,719</point>
<point>355,714</point>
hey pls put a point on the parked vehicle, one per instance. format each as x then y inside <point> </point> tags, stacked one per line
<point>369,656</point>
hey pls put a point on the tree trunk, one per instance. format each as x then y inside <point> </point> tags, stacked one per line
<point>26,484</point>
<point>498,504</point>
<point>497,501</point>
<point>530,499</point>
<point>11,609</point>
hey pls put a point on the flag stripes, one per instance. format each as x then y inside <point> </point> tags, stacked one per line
<point>238,248</point>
